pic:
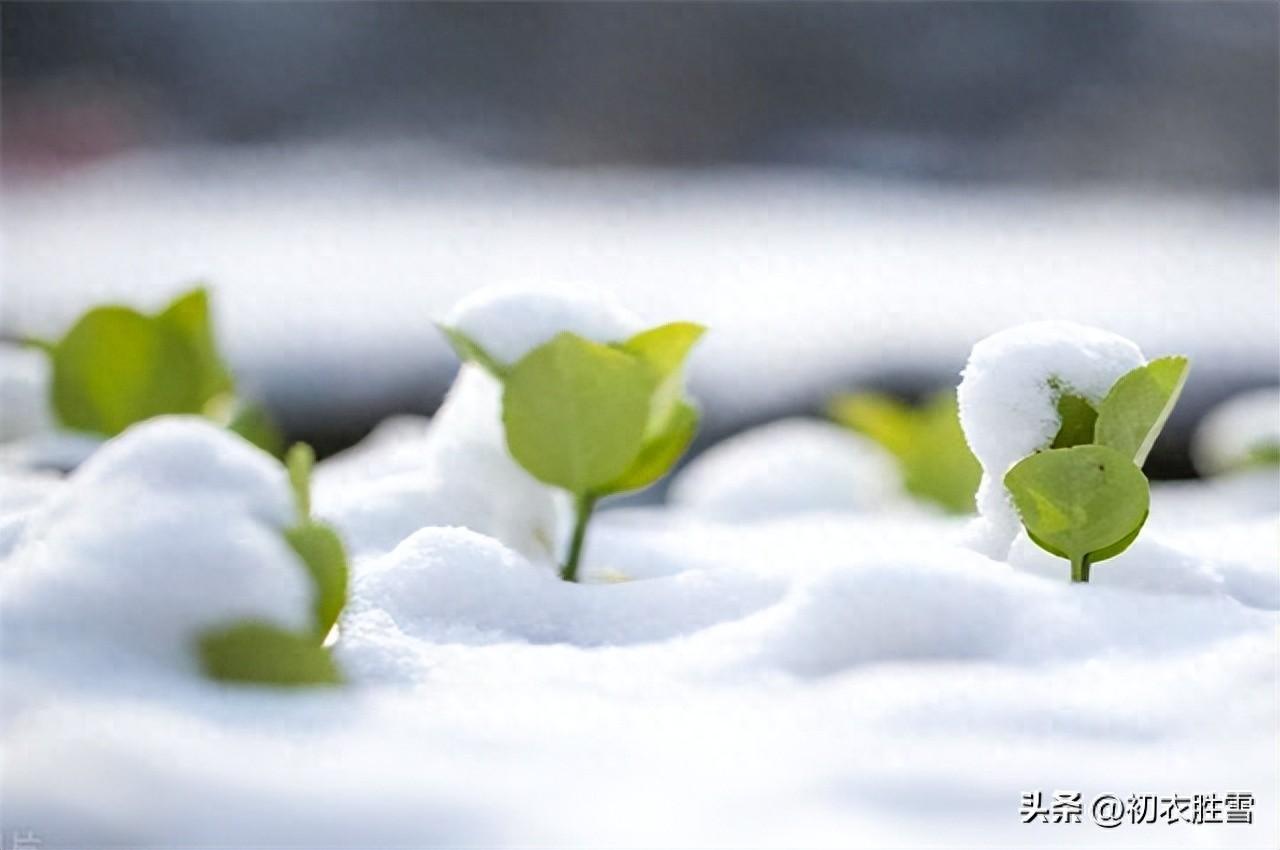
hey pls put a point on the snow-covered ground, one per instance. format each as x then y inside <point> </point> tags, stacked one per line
<point>326,266</point>
<point>823,665</point>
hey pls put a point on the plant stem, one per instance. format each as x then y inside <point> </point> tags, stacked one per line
<point>1080,568</point>
<point>583,506</point>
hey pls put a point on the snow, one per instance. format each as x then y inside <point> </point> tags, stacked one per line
<point>837,671</point>
<point>173,528</point>
<point>509,322</point>
<point>1240,425</point>
<point>24,393</point>
<point>790,466</point>
<point>1008,403</point>
<point>455,472</point>
<point>326,265</point>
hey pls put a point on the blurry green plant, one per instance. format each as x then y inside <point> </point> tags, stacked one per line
<point>595,419</point>
<point>1085,498</point>
<point>926,441</point>
<point>262,653</point>
<point>116,367</point>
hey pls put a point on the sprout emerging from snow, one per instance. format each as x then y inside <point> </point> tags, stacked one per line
<point>593,417</point>
<point>116,367</point>
<point>1083,425</point>
<point>926,441</point>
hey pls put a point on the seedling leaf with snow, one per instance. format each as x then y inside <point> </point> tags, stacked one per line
<point>1084,503</point>
<point>1085,498</point>
<point>595,419</point>
<point>1137,406</point>
<point>116,367</point>
<point>317,544</point>
<point>926,441</point>
<point>259,652</point>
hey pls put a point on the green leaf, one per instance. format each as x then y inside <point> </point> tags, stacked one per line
<point>322,552</point>
<point>470,351</point>
<point>660,453</point>
<point>252,421</point>
<point>188,315</point>
<point>116,367</point>
<point>886,420</point>
<point>299,461</point>
<point>1078,419</point>
<point>1080,502</point>
<point>1135,410</point>
<point>260,653</point>
<point>575,412</point>
<point>665,348</point>
<point>939,467</point>
<point>927,442</point>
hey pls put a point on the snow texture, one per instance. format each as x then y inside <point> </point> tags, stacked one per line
<point>1009,404</point>
<point>1241,425</point>
<point>786,467</point>
<point>822,676</point>
<point>508,323</point>
<point>173,528</point>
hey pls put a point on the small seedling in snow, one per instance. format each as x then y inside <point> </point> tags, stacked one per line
<point>1085,498</point>
<point>116,367</point>
<point>595,419</point>
<point>927,442</point>
<point>254,651</point>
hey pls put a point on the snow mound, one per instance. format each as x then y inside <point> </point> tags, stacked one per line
<point>1235,429</point>
<point>172,528</point>
<point>451,585</point>
<point>456,471</point>
<point>509,322</point>
<point>1008,404</point>
<point>792,466</point>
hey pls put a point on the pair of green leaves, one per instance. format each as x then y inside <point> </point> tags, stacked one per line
<point>591,418</point>
<point>116,367</point>
<point>262,653</point>
<point>1085,498</point>
<point>595,419</point>
<point>926,441</point>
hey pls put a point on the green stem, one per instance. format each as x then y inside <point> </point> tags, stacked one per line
<point>1080,568</point>
<point>583,506</point>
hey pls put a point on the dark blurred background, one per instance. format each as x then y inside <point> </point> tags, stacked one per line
<point>1178,93</point>
<point>825,147</point>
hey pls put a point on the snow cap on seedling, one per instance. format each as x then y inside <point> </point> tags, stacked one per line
<point>1009,404</point>
<point>508,323</point>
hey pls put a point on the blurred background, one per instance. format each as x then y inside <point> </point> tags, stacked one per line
<point>849,194</point>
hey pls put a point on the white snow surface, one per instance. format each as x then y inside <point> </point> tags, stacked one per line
<point>455,472</point>
<point>791,466</point>
<point>509,322</point>
<point>1009,404</point>
<point>173,528</point>
<point>1233,429</point>
<point>823,678</point>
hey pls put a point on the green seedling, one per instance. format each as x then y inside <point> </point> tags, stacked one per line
<point>1084,503</point>
<point>926,441</point>
<point>595,419</point>
<point>116,367</point>
<point>253,651</point>
<point>1085,498</point>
